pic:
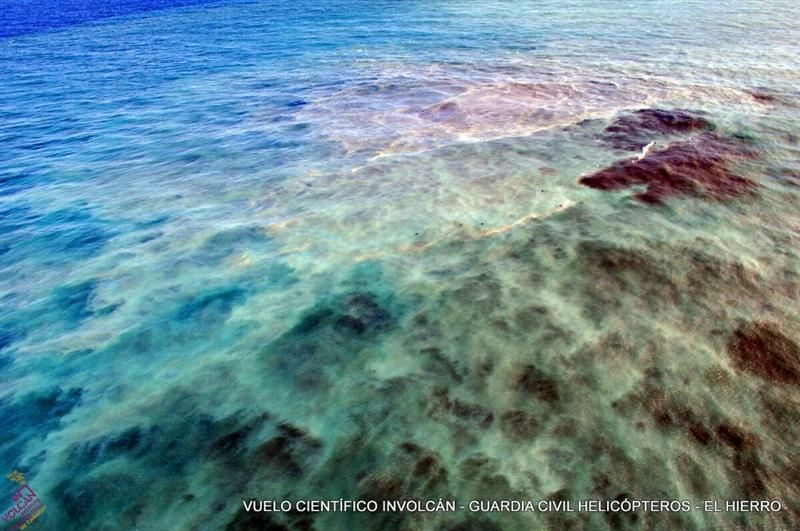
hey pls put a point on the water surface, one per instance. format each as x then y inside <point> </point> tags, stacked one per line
<point>318,250</point>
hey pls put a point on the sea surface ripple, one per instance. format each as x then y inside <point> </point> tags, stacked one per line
<point>281,249</point>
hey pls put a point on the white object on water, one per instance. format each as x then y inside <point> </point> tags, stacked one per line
<point>645,150</point>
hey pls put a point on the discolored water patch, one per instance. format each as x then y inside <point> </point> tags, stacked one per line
<point>635,130</point>
<point>467,413</point>
<point>354,314</point>
<point>764,96</point>
<point>440,112</point>
<point>520,425</point>
<point>535,383</point>
<point>288,450</point>
<point>699,167</point>
<point>228,241</point>
<point>762,349</point>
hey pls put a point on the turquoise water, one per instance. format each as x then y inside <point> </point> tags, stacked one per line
<point>295,250</point>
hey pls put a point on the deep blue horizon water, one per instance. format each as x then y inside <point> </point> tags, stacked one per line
<point>28,16</point>
<point>348,249</point>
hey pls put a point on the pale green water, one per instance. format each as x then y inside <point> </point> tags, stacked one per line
<point>341,251</point>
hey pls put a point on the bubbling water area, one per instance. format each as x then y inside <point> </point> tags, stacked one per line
<point>401,251</point>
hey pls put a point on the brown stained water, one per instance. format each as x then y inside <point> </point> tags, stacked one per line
<point>413,271</point>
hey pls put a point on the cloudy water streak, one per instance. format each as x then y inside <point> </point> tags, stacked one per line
<point>400,250</point>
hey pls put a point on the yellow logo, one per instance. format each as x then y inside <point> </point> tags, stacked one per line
<point>17,477</point>
<point>25,505</point>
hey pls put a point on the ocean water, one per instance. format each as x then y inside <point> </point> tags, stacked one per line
<point>343,249</point>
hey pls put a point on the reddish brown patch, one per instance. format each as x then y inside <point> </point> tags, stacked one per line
<point>763,97</point>
<point>384,488</point>
<point>762,349</point>
<point>750,473</point>
<point>700,433</point>
<point>425,465</point>
<point>534,382</point>
<point>473,413</point>
<point>661,415</point>
<point>733,436</point>
<point>699,167</point>
<point>517,424</point>
<point>440,112</point>
<point>441,403</point>
<point>635,130</point>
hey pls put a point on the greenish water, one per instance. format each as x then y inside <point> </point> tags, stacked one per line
<point>336,250</point>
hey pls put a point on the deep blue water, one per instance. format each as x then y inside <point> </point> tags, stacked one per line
<point>286,249</point>
<point>31,16</point>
